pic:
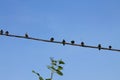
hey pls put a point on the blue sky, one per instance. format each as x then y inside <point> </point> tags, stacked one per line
<point>91,21</point>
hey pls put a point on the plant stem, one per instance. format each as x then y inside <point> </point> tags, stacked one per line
<point>52,75</point>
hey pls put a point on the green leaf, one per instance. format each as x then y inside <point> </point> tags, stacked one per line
<point>36,73</point>
<point>61,62</point>
<point>40,78</point>
<point>59,73</point>
<point>48,79</point>
<point>53,68</point>
<point>60,68</point>
<point>48,67</point>
<point>33,71</point>
<point>54,62</point>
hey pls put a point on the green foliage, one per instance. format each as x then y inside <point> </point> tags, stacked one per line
<point>54,67</point>
<point>59,72</point>
<point>48,79</point>
<point>61,62</point>
<point>40,78</point>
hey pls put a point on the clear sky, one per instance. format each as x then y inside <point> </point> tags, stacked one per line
<point>92,21</point>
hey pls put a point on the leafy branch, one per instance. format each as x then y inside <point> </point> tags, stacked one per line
<point>54,67</point>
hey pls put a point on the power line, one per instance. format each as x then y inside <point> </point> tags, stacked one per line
<point>26,36</point>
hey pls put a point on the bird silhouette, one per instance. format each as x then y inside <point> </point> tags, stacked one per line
<point>26,35</point>
<point>6,33</point>
<point>72,42</point>
<point>110,47</point>
<point>82,44</point>
<point>99,46</point>
<point>51,39</point>
<point>63,42</point>
<point>1,32</point>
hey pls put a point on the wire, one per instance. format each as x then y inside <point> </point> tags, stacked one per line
<point>59,42</point>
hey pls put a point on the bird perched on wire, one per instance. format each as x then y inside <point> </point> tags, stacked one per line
<point>6,33</point>
<point>1,32</point>
<point>99,46</point>
<point>110,47</point>
<point>82,44</point>
<point>72,42</point>
<point>26,35</point>
<point>63,42</point>
<point>51,39</point>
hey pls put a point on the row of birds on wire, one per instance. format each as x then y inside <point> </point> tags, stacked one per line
<point>52,40</point>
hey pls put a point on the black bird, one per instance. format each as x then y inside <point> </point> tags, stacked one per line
<point>26,35</point>
<point>1,32</point>
<point>51,39</point>
<point>63,42</point>
<point>99,46</point>
<point>110,47</point>
<point>82,44</point>
<point>6,33</point>
<point>72,42</point>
